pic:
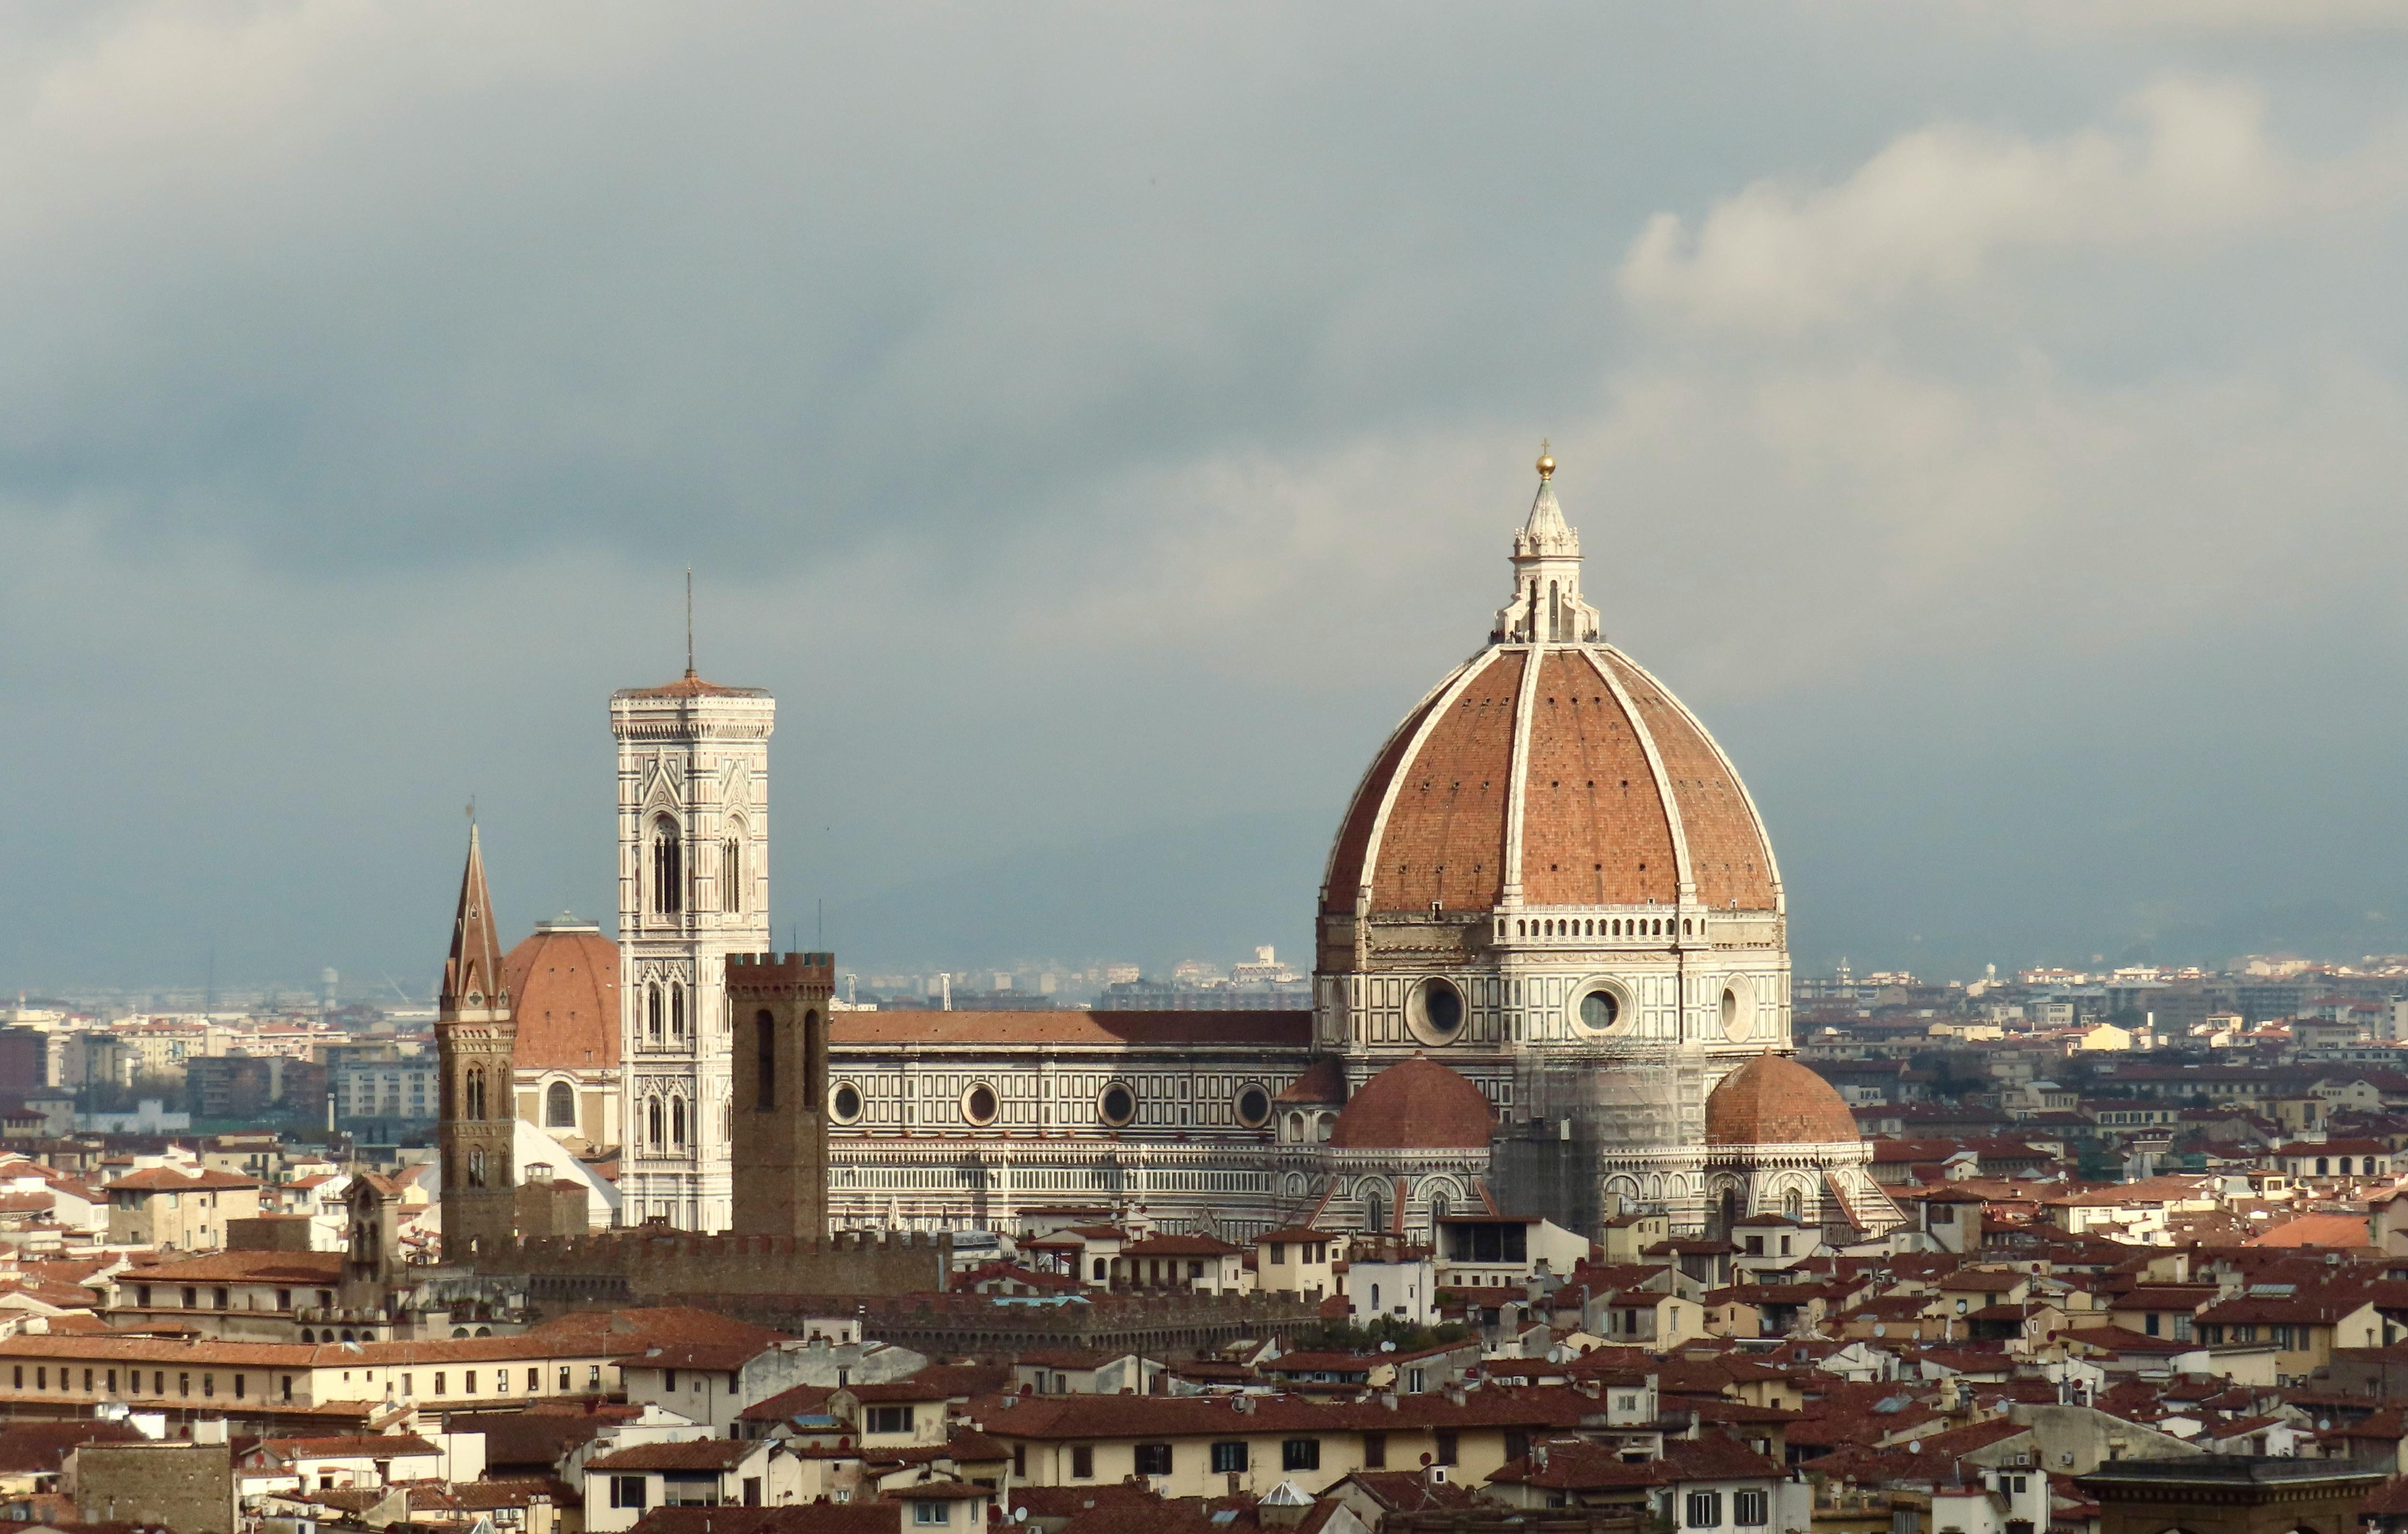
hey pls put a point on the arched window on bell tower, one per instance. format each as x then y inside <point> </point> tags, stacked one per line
<point>652,1123</point>
<point>652,1012</point>
<point>669,868</point>
<point>676,1010</point>
<point>476,1092</point>
<point>731,870</point>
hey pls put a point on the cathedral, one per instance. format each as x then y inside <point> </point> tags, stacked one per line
<point>1551,954</point>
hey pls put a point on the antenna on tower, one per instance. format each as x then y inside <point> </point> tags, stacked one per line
<point>689,620</point>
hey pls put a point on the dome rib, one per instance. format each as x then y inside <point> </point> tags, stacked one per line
<point>1517,798</point>
<point>1343,879</point>
<point>1452,848</point>
<point>1684,882</point>
<point>1610,845</point>
<point>1731,863</point>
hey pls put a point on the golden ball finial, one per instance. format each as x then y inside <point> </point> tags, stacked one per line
<point>1546,461</point>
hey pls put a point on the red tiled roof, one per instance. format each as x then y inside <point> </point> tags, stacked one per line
<point>1773,1101</point>
<point>564,992</point>
<point>710,1454</point>
<point>1324,1081</point>
<point>168,1179</point>
<point>1415,1104</point>
<point>1064,1418</point>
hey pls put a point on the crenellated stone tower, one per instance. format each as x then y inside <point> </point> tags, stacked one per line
<point>693,887</point>
<point>781,1078</point>
<point>475,1038</point>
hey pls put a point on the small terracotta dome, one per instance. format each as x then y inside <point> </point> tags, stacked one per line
<point>1773,1101</point>
<point>564,986</point>
<point>1414,1105</point>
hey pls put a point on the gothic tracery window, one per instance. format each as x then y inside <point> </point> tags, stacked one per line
<point>731,872</point>
<point>668,868</point>
<point>676,1010</point>
<point>476,1092</point>
<point>476,1168</point>
<point>652,1123</point>
<point>677,1121</point>
<point>652,1012</point>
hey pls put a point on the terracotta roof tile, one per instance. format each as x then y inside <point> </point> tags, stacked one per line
<point>1415,1104</point>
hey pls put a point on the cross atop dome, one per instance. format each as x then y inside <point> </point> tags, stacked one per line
<point>1546,606</point>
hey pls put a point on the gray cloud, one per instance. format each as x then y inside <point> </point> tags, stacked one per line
<point>1098,426</point>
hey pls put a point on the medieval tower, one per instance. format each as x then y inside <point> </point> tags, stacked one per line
<point>694,883</point>
<point>475,1038</point>
<point>781,1078</point>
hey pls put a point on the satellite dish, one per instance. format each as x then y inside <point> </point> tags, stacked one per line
<point>1915,1447</point>
<point>1880,1330</point>
<point>1020,1515</point>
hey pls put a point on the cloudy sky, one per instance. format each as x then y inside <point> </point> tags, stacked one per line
<point>1097,423</point>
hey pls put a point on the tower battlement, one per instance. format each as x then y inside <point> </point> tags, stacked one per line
<point>769,974</point>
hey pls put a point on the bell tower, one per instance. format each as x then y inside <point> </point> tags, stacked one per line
<point>780,1077</point>
<point>475,1038</point>
<point>693,887</point>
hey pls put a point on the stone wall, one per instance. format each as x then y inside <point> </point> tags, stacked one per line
<point>187,1488</point>
<point>269,1233</point>
<point>645,1264</point>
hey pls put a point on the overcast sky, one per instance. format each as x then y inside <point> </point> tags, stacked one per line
<point>1099,424</point>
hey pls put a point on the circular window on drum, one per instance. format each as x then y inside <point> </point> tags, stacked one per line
<point>844,1103</point>
<point>1739,1008</point>
<point>1600,1008</point>
<point>1117,1105</point>
<point>1434,1011</point>
<point>979,1105</point>
<point>1253,1105</point>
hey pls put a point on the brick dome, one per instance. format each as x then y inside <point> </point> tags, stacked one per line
<point>564,986</point>
<point>1773,1101</point>
<point>1414,1105</point>
<point>1621,797</point>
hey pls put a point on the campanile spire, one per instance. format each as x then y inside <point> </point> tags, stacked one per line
<point>476,1045</point>
<point>472,974</point>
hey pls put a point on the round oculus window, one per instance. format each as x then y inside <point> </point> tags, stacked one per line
<point>1598,1011</point>
<point>1254,1106</point>
<point>1739,1008</point>
<point>1118,1105</point>
<point>1435,1010</point>
<point>845,1102</point>
<point>979,1105</point>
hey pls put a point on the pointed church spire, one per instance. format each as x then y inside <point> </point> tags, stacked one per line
<point>472,975</point>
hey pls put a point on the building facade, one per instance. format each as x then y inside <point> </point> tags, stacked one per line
<point>693,882</point>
